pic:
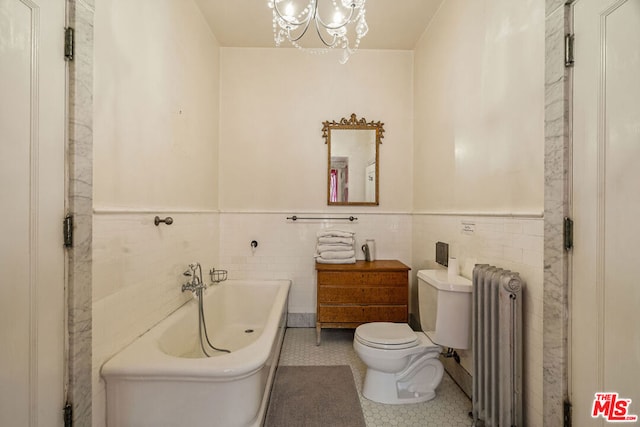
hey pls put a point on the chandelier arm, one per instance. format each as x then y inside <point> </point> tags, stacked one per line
<point>337,26</point>
<point>306,27</point>
<point>294,22</point>
<point>333,41</point>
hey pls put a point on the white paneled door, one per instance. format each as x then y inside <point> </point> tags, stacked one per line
<point>605,290</point>
<point>32,184</point>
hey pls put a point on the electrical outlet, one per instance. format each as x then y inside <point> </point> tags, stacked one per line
<point>442,253</point>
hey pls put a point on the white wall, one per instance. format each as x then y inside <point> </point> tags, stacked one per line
<point>479,105</point>
<point>156,106</point>
<point>273,103</point>
<point>478,149</point>
<point>273,159</point>
<point>155,153</point>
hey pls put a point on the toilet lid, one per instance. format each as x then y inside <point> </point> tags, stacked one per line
<point>396,335</point>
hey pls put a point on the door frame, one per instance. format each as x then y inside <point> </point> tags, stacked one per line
<point>611,7</point>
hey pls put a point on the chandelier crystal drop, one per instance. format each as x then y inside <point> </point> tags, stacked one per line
<point>292,19</point>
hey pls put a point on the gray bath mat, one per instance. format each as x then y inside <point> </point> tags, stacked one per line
<point>309,396</point>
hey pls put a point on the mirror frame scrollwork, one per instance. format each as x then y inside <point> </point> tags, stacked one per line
<point>353,123</point>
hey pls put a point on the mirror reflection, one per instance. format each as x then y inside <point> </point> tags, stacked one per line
<point>353,161</point>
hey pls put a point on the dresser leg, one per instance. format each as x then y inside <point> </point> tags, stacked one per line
<point>318,331</point>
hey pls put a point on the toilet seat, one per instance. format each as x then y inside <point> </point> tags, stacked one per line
<point>386,335</point>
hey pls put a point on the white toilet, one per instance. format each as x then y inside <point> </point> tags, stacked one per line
<point>403,365</point>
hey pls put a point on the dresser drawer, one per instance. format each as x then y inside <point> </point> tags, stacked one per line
<point>363,294</point>
<point>362,314</point>
<point>360,278</point>
<point>352,294</point>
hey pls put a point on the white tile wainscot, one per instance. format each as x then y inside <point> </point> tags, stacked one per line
<point>286,248</point>
<point>507,241</point>
<point>137,273</point>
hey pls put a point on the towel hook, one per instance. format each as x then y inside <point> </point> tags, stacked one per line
<point>168,220</point>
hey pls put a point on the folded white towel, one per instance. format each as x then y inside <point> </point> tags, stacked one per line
<point>334,247</point>
<point>335,233</point>
<point>337,254</point>
<point>345,240</point>
<point>322,260</point>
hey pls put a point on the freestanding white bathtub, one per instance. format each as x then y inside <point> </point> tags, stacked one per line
<point>162,378</point>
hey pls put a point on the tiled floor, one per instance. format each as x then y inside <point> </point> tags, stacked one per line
<point>449,408</point>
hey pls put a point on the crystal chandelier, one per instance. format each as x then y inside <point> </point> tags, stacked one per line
<point>291,20</point>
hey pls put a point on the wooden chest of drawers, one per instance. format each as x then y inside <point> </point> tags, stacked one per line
<point>349,295</point>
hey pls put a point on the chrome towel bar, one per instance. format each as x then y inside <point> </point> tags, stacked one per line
<point>295,218</point>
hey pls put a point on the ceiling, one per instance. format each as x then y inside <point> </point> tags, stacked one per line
<point>393,24</point>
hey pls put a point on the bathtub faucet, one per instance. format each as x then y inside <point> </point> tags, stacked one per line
<point>196,283</point>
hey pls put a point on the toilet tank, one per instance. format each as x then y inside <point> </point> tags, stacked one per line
<point>445,308</point>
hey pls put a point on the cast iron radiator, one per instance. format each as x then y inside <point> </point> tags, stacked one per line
<point>497,347</point>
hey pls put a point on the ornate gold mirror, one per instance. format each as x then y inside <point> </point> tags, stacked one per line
<point>352,176</point>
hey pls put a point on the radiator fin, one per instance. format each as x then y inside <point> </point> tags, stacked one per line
<point>497,346</point>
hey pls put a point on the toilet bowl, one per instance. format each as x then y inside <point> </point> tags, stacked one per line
<point>403,366</point>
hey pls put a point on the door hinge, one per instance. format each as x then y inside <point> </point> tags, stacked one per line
<point>568,50</point>
<point>68,415</point>
<point>68,43</point>
<point>67,231</point>
<point>567,414</point>
<point>568,233</point>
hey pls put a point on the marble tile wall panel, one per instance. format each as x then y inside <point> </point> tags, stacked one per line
<point>80,196</point>
<point>552,6</point>
<point>557,162</point>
